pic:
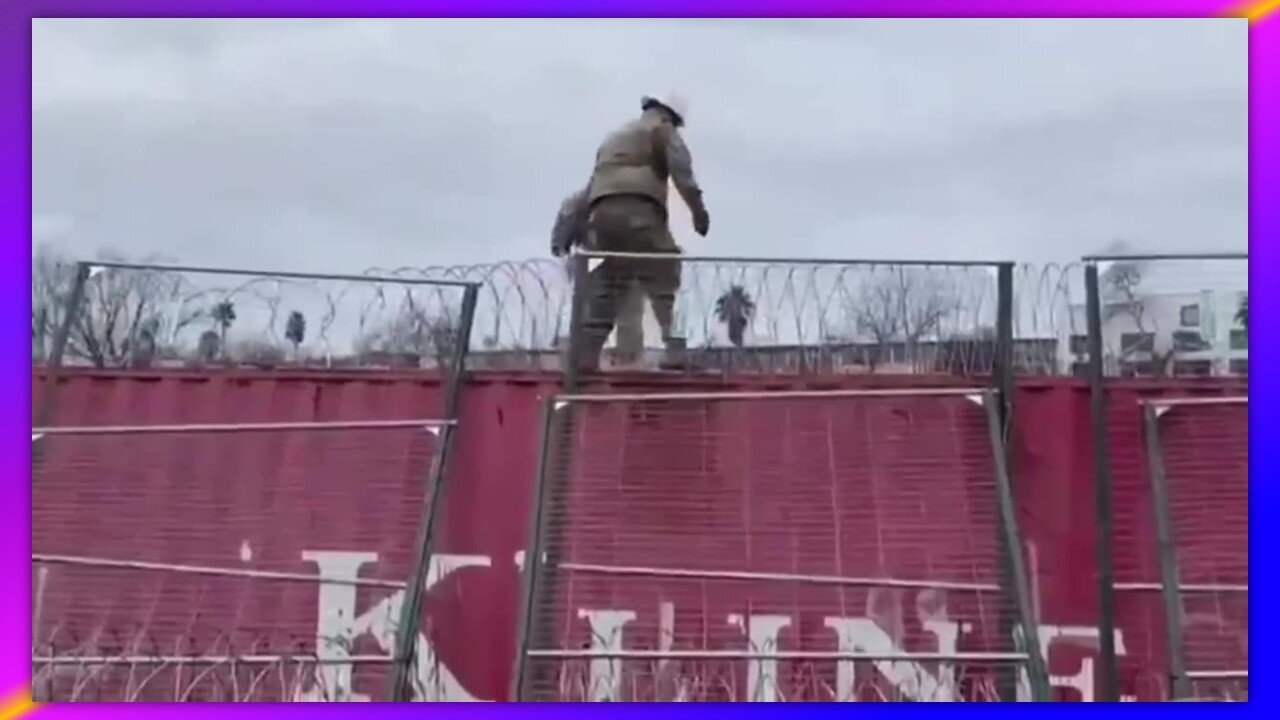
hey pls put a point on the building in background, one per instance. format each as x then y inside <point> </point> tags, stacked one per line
<point>1159,319</point>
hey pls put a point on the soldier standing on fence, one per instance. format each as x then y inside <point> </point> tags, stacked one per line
<point>627,213</point>
<point>569,231</point>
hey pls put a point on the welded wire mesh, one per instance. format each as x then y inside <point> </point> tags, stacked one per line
<point>851,317</point>
<point>788,312</point>
<point>522,312</point>
<point>1047,312</point>
<point>1200,481</point>
<point>790,679</point>
<point>770,546</point>
<point>1207,447</point>
<point>148,315</point>
<point>224,562</point>
<point>160,677</point>
<point>758,315</point>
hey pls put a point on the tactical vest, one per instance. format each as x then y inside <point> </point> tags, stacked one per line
<point>630,162</point>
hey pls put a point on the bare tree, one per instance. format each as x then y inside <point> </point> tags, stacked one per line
<point>126,317</point>
<point>52,278</point>
<point>258,352</point>
<point>412,332</point>
<point>1120,286</point>
<point>902,305</point>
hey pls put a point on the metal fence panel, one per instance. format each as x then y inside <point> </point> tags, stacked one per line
<point>140,314</point>
<point>841,545</point>
<point>1198,457</point>
<point>1142,322</point>
<point>780,315</point>
<point>138,597</point>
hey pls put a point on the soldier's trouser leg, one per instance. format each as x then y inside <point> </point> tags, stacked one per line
<point>619,224</point>
<point>663,282</point>
<point>607,285</point>
<point>630,324</point>
<point>661,279</point>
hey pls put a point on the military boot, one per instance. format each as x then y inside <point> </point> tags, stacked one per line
<point>674,356</point>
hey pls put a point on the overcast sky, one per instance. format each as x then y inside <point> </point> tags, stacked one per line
<point>337,145</point>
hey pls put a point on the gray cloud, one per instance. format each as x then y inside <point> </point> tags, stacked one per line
<point>338,145</point>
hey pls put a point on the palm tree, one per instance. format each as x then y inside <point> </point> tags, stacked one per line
<point>224,313</point>
<point>734,309</point>
<point>1242,312</point>
<point>295,330</point>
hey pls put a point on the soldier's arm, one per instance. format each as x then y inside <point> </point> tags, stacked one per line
<point>680,166</point>
<point>571,223</point>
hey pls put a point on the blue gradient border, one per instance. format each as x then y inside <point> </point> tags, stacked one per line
<point>15,500</point>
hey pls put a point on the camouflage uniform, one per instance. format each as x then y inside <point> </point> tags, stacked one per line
<point>627,197</point>
<point>570,230</point>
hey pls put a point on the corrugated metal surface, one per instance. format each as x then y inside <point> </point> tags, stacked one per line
<point>166,500</point>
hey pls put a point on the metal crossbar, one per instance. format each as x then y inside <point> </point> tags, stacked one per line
<point>282,274</point>
<point>64,660</point>
<point>982,394</point>
<point>1166,256</point>
<point>745,260</point>
<point>1193,401</point>
<point>87,561</point>
<point>696,574</point>
<point>781,655</point>
<point>425,424</point>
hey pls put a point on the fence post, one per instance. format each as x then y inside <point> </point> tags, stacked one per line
<point>1170,587</point>
<point>581,271</point>
<point>406,642</point>
<point>531,581</point>
<point>1015,582</point>
<point>1002,378</point>
<point>1109,689</point>
<point>557,427</point>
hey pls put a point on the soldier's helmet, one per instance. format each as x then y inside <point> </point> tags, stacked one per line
<point>677,104</point>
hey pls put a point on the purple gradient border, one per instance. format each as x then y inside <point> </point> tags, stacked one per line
<point>15,43</point>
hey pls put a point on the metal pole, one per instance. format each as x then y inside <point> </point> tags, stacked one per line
<point>461,348</point>
<point>1170,589</point>
<point>411,609</point>
<point>1151,257</point>
<point>1004,370</point>
<point>1011,542</point>
<point>533,559</point>
<point>1109,666</point>
<point>541,561</point>
<point>577,319</point>
<point>281,274</point>
<point>1002,379</point>
<point>750,260</point>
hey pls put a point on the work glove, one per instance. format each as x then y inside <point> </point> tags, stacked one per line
<point>701,221</point>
